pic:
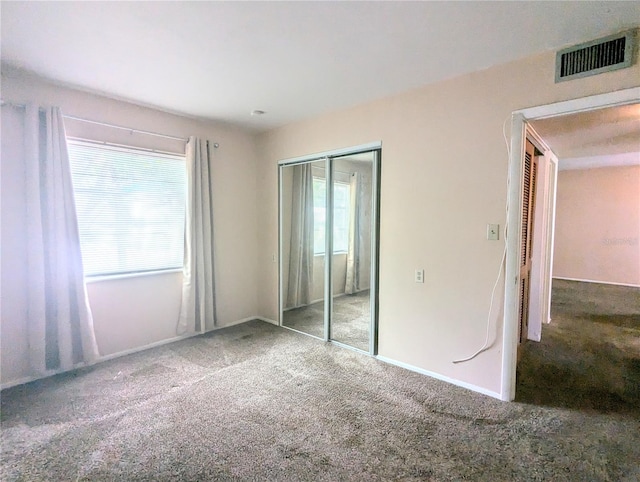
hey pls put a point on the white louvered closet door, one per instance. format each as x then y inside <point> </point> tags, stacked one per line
<point>530,169</point>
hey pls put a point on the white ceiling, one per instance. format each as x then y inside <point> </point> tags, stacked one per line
<point>221,60</point>
<point>597,138</point>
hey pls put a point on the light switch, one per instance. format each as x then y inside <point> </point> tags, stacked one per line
<point>493,231</point>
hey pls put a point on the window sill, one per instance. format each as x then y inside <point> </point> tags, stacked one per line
<point>317,255</point>
<point>110,277</point>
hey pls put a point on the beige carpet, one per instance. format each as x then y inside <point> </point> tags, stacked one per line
<point>256,402</point>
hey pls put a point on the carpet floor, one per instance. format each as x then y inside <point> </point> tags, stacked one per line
<point>258,402</point>
<point>350,323</point>
<point>589,355</point>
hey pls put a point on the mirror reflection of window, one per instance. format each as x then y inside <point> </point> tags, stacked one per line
<point>341,208</point>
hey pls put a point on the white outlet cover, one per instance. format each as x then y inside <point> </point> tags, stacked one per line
<point>493,232</point>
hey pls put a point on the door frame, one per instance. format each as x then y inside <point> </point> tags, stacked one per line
<point>327,156</point>
<point>519,123</point>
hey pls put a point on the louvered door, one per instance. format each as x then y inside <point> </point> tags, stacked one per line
<point>530,169</point>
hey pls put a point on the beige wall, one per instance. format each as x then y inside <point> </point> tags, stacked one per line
<point>134,312</point>
<point>597,234</point>
<point>444,171</point>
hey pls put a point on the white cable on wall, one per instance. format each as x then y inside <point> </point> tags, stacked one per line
<point>486,345</point>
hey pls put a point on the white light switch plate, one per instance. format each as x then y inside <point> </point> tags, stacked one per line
<point>493,231</point>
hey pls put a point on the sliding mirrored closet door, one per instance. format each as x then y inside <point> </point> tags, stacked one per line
<point>352,178</point>
<point>302,209</point>
<point>328,244</point>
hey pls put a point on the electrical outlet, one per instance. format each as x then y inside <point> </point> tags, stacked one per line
<point>493,231</point>
<point>419,276</point>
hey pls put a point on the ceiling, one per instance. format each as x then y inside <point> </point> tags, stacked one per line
<point>294,60</point>
<point>597,138</point>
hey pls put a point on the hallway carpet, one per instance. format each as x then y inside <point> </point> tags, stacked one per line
<point>589,355</point>
<point>256,402</point>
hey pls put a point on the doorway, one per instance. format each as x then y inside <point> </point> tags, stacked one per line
<point>329,223</point>
<point>519,123</point>
<point>588,356</point>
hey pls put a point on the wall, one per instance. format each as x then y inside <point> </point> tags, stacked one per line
<point>444,172</point>
<point>133,312</point>
<point>597,234</point>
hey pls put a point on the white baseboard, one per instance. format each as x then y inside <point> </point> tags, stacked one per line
<point>267,320</point>
<point>597,282</point>
<point>437,376</point>
<point>22,381</point>
<point>155,344</point>
<point>130,351</point>
<point>233,323</point>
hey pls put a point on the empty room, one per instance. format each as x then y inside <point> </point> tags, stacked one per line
<point>316,241</point>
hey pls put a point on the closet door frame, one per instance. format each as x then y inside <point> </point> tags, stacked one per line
<point>376,148</point>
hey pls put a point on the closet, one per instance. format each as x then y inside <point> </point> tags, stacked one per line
<point>329,223</point>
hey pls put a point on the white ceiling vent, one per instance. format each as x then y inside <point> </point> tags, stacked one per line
<point>591,58</point>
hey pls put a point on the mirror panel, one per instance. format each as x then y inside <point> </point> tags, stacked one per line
<point>303,219</point>
<point>352,178</point>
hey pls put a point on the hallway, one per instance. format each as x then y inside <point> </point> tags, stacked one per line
<point>589,356</point>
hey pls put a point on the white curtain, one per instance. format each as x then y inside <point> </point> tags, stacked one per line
<point>59,319</point>
<point>354,253</point>
<point>299,292</point>
<point>197,312</point>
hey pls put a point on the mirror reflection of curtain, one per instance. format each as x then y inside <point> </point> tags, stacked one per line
<point>354,254</point>
<point>301,258</point>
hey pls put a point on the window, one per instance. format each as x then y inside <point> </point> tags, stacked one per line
<point>341,205</point>
<point>131,208</point>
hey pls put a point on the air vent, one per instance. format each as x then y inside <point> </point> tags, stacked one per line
<point>591,58</point>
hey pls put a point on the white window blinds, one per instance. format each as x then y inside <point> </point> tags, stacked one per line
<point>131,208</point>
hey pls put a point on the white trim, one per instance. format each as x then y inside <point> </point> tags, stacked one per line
<point>233,323</point>
<point>544,224</point>
<point>583,104</point>
<point>624,159</point>
<point>101,359</point>
<point>22,381</point>
<point>349,347</point>
<point>112,277</point>
<point>512,266</point>
<point>631,285</point>
<point>437,376</point>
<point>551,232</point>
<point>155,344</point>
<point>280,249</point>
<point>518,124</point>
<point>266,320</point>
<point>130,351</point>
<point>334,153</point>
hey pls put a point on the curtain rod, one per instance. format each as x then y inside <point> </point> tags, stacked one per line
<point>137,131</point>
<point>89,121</point>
